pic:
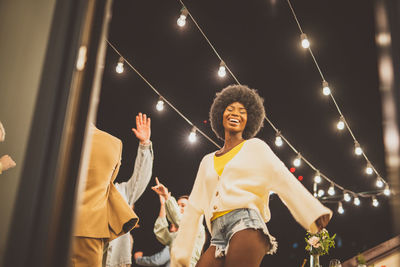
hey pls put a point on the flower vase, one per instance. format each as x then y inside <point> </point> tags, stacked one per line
<point>314,260</point>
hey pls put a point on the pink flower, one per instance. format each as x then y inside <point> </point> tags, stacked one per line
<point>314,241</point>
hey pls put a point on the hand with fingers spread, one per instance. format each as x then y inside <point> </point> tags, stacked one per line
<point>161,190</point>
<point>143,129</point>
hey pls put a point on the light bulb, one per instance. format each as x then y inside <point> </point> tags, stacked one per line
<point>317,177</point>
<point>375,202</point>
<point>325,88</point>
<point>278,140</point>
<point>120,66</point>
<point>181,21</point>
<point>386,191</point>
<point>297,161</point>
<point>304,41</point>
<point>331,190</point>
<point>340,125</point>
<point>357,149</point>
<point>222,70</point>
<point>192,135</point>
<point>160,105</point>
<point>357,201</point>
<point>182,18</point>
<point>321,193</point>
<point>369,169</point>
<point>346,197</point>
<point>340,208</point>
<point>315,187</point>
<point>379,182</point>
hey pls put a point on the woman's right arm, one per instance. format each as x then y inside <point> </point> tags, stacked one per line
<point>183,245</point>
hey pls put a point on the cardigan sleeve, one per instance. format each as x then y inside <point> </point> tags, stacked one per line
<point>303,206</point>
<point>183,246</point>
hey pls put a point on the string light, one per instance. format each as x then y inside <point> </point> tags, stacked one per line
<point>317,177</point>
<point>182,18</point>
<point>120,66</point>
<point>325,88</point>
<point>278,139</point>
<point>222,70</point>
<point>386,191</point>
<point>160,104</point>
<point>346,196</point>
<point>375,202</point>
<point>340,208</point>
<point>192,136</point>
<point>304,41</point>
<point>357,201</point>
<point>331,190</point>
<point>321,193</point>
<point>315,187</point>
<point>297,160</point>
<point>379,182</point>
<point>369,169</point>
<point>340,125</point>
<point>357,149</point>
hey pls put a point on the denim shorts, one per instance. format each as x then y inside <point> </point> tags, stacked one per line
<point>224,227</point>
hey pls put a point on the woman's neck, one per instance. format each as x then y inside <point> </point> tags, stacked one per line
<point>231,140</point>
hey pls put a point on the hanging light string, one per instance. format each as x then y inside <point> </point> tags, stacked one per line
<point>278,132</point>
<point>332,97</point>
<point>162,97</point>
<point>208,41</point>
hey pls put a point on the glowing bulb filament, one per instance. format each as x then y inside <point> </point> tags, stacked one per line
<point>340,125</point>
<point>278,140</point>
<point>317,178</point>
<point>297,161</point>
<point>321,193</point>
<point>375,202</point>
<point>346,197</point>
<point>192,135</point>
<point>331,190</point>
<point>379,182</point>
<point>182,18</point>
<point>369,169</point>
<point>222,70</point>
<point>325,88</point>
<point>386,191</point>
<point>160,105</point>
<point>304,41</point>
<point>340,208</point>
<point>357,201</point>
<point>357,149</point>
<point>120,66</point>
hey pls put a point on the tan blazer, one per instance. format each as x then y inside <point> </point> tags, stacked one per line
<point>103,212</point>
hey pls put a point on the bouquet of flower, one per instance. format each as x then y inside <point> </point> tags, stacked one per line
<point>319,243</point>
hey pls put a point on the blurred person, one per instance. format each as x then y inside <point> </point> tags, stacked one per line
<point>160,258</point>
<point>232,189</point>
<point>173,210</point>
<point>6,162</point>
<point>119,251</point>
<point>104,213</point>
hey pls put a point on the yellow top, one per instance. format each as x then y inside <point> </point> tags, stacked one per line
<point>219,165</point>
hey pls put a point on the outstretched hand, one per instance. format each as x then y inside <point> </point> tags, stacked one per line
<point>143,129</point>
<point>161,190</point>
<point>7,162</point>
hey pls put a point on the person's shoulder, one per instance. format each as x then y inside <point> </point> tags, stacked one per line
<point>105,135</point>
<point>256,142</point>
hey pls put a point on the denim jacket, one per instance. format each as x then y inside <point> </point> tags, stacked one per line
<point>119,250</point>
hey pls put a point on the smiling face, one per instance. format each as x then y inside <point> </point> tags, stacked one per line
<point>234,118</point>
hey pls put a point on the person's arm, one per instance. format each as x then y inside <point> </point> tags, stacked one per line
<point>173,211</point>
<point>142,171</point>
<point>157,259</point>
<point>184,243</point>
<point>304,207</point>
<point>161,230</point>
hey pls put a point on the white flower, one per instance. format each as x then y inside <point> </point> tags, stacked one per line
<point>314,241</point>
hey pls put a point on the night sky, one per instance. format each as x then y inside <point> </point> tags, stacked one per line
<point>260,42</point>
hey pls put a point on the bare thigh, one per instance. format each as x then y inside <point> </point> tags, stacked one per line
<point>247,248</point>
<point>208,259</point>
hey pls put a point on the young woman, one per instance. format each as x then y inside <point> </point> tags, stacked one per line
<point>232,189</point>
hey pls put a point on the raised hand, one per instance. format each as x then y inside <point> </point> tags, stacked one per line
<point>143,129</point>
<point>161,190</point>
<point>7,162</point>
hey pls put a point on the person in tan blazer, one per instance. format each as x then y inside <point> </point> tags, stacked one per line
<point>103,214</point>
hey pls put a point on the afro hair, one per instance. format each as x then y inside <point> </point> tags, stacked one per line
<point>249,98</point>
